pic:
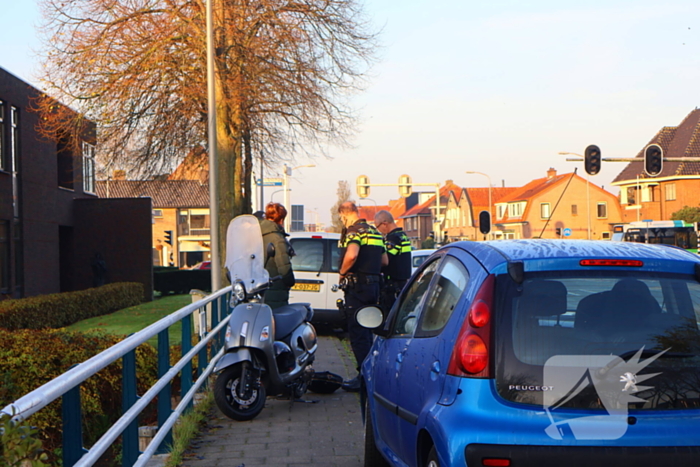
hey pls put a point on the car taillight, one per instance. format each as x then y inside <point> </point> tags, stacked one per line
<point>612,262</point>
<point>470,356</point>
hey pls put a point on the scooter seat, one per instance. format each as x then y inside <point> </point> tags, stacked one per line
<point>288,317</point>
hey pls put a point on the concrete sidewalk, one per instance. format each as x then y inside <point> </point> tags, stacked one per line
<point>328,432</point>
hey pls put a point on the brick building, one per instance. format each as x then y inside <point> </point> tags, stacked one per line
<point>678,185</point>
<point>52,225</point>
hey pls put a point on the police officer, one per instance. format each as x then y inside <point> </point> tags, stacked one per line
<point>362,256</point>
<point>398,248</point>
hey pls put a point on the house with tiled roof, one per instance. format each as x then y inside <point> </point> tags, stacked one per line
<point>557,206</point>
<point>462,213</point>
<point>678,184</point>
<point>396,207</point>
<point>180,209</point>
<point>419,220</point>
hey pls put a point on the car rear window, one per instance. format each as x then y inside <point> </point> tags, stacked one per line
<point>315,254</point>
<point>554,322</point>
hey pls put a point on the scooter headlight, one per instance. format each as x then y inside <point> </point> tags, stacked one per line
<point>238,294</point>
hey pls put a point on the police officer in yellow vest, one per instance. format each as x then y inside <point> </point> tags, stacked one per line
<point>398,248</point>
<point>362,256</point>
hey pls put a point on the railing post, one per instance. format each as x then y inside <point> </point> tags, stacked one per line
<point>164,404</point>
<point>186,373</point>
<point>130,435</point>
<point>215,320</point>
<point>72,427</point>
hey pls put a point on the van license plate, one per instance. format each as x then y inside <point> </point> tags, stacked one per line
<point>307,287</point>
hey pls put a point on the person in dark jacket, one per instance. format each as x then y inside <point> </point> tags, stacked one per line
<point>279,265</point>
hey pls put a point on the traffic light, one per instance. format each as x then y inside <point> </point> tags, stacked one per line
<point>405,188</point>
<point>592,159</point>
<point>169,237</point>
<point>653,160</point>
<point>362,186</point>
<point>485,222</point>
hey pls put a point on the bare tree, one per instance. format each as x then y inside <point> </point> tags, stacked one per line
<point>344,195</point>
<point>284,68</point>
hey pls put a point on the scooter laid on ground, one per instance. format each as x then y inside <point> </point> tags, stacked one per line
<point>267,353</point>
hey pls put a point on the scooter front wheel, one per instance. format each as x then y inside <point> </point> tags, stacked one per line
<point>229,401</point>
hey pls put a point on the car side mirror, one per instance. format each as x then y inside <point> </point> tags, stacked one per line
<point>270,253</point>
<point>370,317</point>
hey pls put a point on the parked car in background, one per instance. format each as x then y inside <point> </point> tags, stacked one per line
<point>418,257</point>
<point>315,267</point>
<point>202,265</point>
<point>538,352</point>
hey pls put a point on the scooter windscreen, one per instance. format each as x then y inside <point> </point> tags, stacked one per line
<point>245,256</point>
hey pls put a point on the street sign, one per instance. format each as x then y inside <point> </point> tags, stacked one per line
<point>270,182</point>
<point>567,232</point>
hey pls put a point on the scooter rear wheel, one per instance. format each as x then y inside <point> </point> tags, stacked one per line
<point>229,401</point>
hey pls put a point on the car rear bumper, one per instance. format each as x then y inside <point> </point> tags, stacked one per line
<point>578,456</point>
<point>478,424</point>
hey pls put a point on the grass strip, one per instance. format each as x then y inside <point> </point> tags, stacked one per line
<point>188,427</point>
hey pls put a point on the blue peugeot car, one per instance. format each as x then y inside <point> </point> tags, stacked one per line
<point>538,353</point>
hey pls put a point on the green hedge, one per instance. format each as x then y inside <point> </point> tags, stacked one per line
<point>64,309</point>
<point>181,281</point>
<point>30,358</point>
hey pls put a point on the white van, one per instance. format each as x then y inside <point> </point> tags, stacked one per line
<point>418,256</point>
<point>316,272</point>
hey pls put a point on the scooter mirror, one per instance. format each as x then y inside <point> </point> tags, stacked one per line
<point>369,317</point>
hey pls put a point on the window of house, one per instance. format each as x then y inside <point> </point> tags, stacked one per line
<point>670,191</point>
<point>4,256</point>
<point>632,195</point>
<point>194,222</point>
<point>157,213</point>
<point>88,167</point>
<point>605,235</point>
<point>574,210</point>
<point>14,157</point>
<point>516,209</point>
<point>3,163</point>
<point>602,210</point>
<point>545,210</point>
<point>501,210</point>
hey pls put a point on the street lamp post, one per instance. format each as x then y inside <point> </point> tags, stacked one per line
<point>272,196</point>
<point>213,157</point>
<point>288,173</point>
<point>490,202</point>
<point>588,192</point>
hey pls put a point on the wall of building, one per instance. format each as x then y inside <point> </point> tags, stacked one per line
<point>45,210</point>
<point>118,229</point>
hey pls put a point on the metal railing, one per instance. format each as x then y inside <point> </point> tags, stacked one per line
<point>67,386</point>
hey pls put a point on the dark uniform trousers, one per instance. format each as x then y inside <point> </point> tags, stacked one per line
<point>390,291</point>
<point>356,296</point>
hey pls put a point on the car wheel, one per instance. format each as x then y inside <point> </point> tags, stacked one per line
<point>373,458</point>
<point>432,458</point>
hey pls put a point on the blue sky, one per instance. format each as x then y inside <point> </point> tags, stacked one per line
<point>498,87</point>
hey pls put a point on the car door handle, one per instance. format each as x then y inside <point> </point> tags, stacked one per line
<point>434,370</point>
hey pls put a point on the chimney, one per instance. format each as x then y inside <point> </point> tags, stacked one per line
<point>551,173</point>
<point>119,175</point>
